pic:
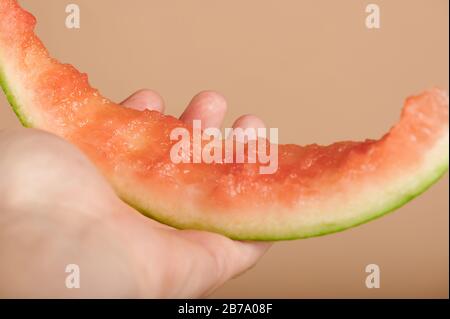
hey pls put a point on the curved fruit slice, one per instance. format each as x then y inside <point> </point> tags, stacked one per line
<point>316,190</point>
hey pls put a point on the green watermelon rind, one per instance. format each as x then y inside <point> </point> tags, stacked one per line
<point>12,100</point>
<point>319,230</point>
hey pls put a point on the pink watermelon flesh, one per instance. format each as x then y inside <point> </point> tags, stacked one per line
<point>316,189</point>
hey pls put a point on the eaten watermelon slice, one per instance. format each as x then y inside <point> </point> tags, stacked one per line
<point>316,189</point>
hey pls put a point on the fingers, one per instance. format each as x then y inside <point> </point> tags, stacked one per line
<point>145,100</point>
<point>247,122</point>
<point>209,107</point>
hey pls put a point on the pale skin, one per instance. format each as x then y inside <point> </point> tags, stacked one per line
<point>57,210</point>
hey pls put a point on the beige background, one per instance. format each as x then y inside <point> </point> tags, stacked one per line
<point>310,68</point>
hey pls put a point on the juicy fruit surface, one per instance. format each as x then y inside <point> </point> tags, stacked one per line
<point>316,189</point>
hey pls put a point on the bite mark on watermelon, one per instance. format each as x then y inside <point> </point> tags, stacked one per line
<point>317,189</point>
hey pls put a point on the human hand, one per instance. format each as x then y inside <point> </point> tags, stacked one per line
<point>56,209</point>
